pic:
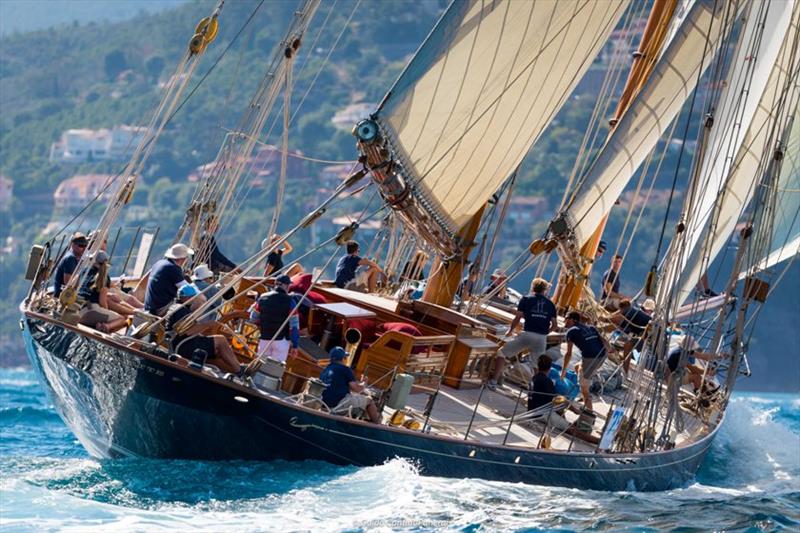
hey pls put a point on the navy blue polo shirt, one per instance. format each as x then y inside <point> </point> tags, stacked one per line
<point>588,341</point>
<point>337,377</point>
<point>635,320</point>
<point>162,287</point>
<point>67,265</point>
<point>346,269</point>
<point>538,311</point>
<point>543,390</point>
<point>276,260</point>
<point>609,276</point>
<point>87,291</point>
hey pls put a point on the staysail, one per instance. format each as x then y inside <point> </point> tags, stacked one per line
<point>673,79</point>
<point>480,91</point>
<point>777,104</point>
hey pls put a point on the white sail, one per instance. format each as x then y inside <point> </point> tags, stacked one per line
<point>652,110</point>
<point>760,41</point>
<point>785,242</point>
<point>776,106</point>
<point>480,91</point>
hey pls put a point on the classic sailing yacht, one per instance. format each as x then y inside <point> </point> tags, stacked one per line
<point>441,150</point>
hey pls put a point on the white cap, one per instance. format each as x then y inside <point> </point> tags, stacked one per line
<point>202,272</point>
<point>178,251</point>
<point>649,305</point>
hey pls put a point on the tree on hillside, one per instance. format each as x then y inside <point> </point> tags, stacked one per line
<point>154,65</point>
<point>115,63</point>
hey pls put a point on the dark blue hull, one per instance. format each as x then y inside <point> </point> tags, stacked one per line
<point>122,402</point>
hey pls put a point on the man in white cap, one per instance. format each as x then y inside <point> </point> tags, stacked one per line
<point>203,279</point>
<point>166,277</point>
<point>498,279</point>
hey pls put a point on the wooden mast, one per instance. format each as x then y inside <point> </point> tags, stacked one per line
<point>445,276</point>
<point>570,287</point>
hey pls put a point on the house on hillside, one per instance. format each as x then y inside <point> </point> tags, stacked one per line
<point>332,175</point>
<point>6,193</point>
<point>346,118</point>
<point>263,166</point>
<point>85,145</point>
<point>76,191</point>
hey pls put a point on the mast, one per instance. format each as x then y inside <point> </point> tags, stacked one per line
<point>570,286</point>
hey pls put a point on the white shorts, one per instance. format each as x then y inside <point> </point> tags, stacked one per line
<point>354,400</point>
<point>277,349</point>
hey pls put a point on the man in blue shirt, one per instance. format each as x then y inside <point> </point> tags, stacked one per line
<point>593,347</point>
<point>611,295</point>
<point>166,277</point>
<point>632,322</point>
<point>343,390</point>
<point>66,267</point>
<point>346,270</point>
<point>539,313</point>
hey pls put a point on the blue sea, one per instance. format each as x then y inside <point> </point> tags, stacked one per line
<point>750,481</point>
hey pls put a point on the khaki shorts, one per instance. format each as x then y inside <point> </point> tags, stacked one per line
<point>590,365</point>
<point>94,314</point>
<point>534,343</point>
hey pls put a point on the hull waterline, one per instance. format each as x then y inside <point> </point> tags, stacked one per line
<point>122,402</point>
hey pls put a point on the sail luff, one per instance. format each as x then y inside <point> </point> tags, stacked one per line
<point>775,107</point>
<point>480,91</point>
<point>659,101</point>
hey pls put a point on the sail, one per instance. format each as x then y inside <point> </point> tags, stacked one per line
<point>778,102</point>
<point>659,101</point>
<point>785,242</point>
<point>761,38</point>
<point>481,89</point>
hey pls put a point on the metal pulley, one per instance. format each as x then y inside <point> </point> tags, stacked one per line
<point>204,34</point>
<point>346,234</point>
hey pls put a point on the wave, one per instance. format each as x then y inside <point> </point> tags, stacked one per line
<point>27,415</point>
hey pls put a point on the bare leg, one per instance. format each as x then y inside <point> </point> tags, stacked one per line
<point>587,398</point>
<point>119,306</point>
<point>112,325</point>
<point>223,350</point>
<point>372,411</point>
<point>372,279</point>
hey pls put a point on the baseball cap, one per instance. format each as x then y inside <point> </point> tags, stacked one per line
<point>602,246</point>
<point>100,257</point>
<point>337,353</point>
<point>79,238</point>
<point>283,279</point>
<point>187,291</point>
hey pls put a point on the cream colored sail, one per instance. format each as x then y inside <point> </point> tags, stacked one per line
<point>760,42</point>
<point>480,91</point>
<point>777,105</point>
<point>674,77</point>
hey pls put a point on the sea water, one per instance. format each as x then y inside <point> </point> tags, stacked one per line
<point>750,480</point>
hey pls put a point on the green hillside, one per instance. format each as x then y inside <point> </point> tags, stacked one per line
<point>98,75</point>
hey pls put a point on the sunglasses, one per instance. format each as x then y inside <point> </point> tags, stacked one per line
<point>79,245</point>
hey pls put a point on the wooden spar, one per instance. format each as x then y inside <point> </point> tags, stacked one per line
<point>570,287</point>
<point>445,276</point>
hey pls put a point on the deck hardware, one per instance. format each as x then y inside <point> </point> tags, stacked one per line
<point>472,453</point>
<point>516,460</point>
<point>241,399</point>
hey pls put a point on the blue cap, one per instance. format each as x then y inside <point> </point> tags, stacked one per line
<point>337,353</point>
<point>601,246</point>
<point>283,279</point>
<point>187,291</point>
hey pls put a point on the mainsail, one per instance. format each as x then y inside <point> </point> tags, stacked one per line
<point>480,91</point>
<point>777,103</point>
<point>673,79</point>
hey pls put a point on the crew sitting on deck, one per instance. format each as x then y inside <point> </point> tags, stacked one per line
<point>66,267</point>
<point>689,371</point>
<point>166,277</point>
<point>539,313</point>
<point>278,321</point>
<point>216,347</point>
<point>542,391</point>
<point>594,350</point>
<point>118,300</point>
<point>346,277</point>
<point>632,322</point>
<point>203,279</point>
<point>343,391</point>
<point>94,290</point>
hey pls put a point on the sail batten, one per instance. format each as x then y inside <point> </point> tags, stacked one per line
<point>481,90</point>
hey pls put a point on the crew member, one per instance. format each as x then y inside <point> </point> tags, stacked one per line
<point>166,277</point>
<point>217,261</point>
<point>275,257</point>
<point>94,290</point>
<point>346,270</point>
<point>539,313</point>
<point>690,371</point>
<point>594,350</point>
<point>66,267</point>
<point>343,390</point>
<point>277,318</point>
<point>611,295</point>
<point>632,323</point>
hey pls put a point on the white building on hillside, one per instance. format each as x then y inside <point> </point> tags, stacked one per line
<point>78,190</point>
<point>82,145</point>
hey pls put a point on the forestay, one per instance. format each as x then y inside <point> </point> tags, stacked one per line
<point>689,52</point>
<point>777,105</point>
<point>766,25</point>
<point>481,89</point>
